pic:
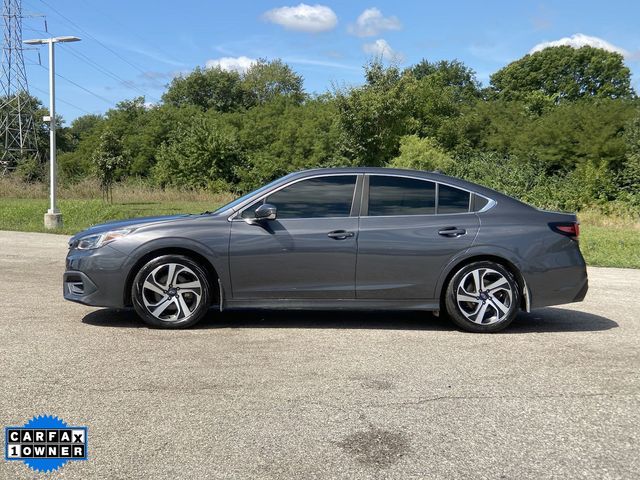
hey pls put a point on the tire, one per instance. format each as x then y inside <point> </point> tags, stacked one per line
<point>482,310</point>
<point>171,291</point>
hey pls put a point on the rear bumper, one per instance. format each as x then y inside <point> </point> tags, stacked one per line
<point>557,287</point>
<point>582,292</point>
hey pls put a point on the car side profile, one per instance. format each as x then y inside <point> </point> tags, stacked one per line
<point>343,238</point>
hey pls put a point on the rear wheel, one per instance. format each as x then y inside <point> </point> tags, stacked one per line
<point>482,297</point>
<point>171,291</point>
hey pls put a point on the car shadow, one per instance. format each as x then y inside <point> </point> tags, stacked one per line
<point>543,320</point>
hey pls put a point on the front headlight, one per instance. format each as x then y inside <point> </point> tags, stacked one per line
<point>99,239</point>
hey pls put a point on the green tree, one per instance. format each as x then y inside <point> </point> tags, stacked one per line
<point>422,154</point>
<point>83,139</point>
<point>443,92</point>
<point>564,137</point>
<point>207,88</point>
<point>201,154</point>
<point>108,161</point>
<point>265,80</point>
<point>628,179</point>
<point>82,127</point>
<point>281,136</point>
<point>565,73</point>
<point>374,116</point>
<point>449,74</point>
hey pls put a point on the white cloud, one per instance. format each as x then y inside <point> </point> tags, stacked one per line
<point>579,40</point>
<point>236,64</point>
<point>371,22</point>
<point>304,18</point>
<point>381,48</point>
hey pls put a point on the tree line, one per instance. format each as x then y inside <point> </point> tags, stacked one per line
<point>559,128</point>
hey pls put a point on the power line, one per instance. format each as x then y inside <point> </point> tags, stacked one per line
<point>126,83</point>
<point>114,52</point>
<point>86,59</point>
<point>58,99</point>
<point>107,72</point>
<point>35,30</point>
<point>128,29</point>
<point>82,88</point>
<point>92,63</point>
<point>87,90</point>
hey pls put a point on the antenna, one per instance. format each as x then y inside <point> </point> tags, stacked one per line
<point>17,126</point>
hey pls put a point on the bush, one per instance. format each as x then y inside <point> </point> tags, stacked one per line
<point>30,170</point>
<point>203,155</point>
<point>421,154</point>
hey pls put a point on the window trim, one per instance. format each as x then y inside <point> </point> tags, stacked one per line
<point>364,212</point>
<point>237,216</point>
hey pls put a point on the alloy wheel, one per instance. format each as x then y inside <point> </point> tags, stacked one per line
<point>484,296</point>
<point>171,292</point>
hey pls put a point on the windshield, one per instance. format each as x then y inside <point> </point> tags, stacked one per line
<point>238,201</point>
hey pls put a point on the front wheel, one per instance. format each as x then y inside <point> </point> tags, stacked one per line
<point>171,291</point>
<point>482,297</point>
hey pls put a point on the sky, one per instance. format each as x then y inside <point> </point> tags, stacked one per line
<point>131,48</point>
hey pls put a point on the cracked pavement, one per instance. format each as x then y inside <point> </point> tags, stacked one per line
<point>322,394</point>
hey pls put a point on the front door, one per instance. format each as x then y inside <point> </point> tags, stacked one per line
<point>308,251</point>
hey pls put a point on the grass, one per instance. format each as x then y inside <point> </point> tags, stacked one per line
<point>27,214</point>
<point>609,240</point>
<point>605,240</point>
<point>22,205</point>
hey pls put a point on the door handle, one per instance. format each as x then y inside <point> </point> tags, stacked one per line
<point>451,232</point>
<point>340,234</point>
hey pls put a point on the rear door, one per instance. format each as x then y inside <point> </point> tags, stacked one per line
<point>409,230</point>
<point>308,251</point>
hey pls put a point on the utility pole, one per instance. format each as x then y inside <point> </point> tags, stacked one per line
<point>53,217</point>
<point>17,127</point>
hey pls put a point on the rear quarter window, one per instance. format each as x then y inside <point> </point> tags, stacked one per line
<point>478,202</point>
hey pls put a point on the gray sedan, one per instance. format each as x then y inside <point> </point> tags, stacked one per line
<point>353,238</point>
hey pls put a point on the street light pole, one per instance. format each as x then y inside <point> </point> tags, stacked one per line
<point>53,217</point>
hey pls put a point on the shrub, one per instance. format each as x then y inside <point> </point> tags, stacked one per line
<point>421,154</point>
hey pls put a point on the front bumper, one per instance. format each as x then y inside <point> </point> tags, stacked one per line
<point>78,287</point>
<point>95,277</point>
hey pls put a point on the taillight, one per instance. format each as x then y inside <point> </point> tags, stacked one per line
<point>569,229</point>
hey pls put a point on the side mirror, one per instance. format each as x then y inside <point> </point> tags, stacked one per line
<point>266,211</point>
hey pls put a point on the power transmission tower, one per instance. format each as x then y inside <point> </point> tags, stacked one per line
<point>17,125</point>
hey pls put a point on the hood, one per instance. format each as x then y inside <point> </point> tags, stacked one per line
<point>132,222</point>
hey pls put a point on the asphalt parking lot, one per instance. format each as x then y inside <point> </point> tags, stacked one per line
<point>326,394</point>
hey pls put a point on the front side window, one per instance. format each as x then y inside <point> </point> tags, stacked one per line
<point>390,196</point>
<point>313,198</point>
<point>452,200</point>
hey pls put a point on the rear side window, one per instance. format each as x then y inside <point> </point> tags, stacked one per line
<point>401,196</point>
<point>452,200</point>
<point>315,198</point>
<point>478,202</point>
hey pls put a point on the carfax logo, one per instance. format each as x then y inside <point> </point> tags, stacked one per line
<point>45,443</point>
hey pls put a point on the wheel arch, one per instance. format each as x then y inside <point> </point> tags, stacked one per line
<point>212,273</point>
<point>456,265</point>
